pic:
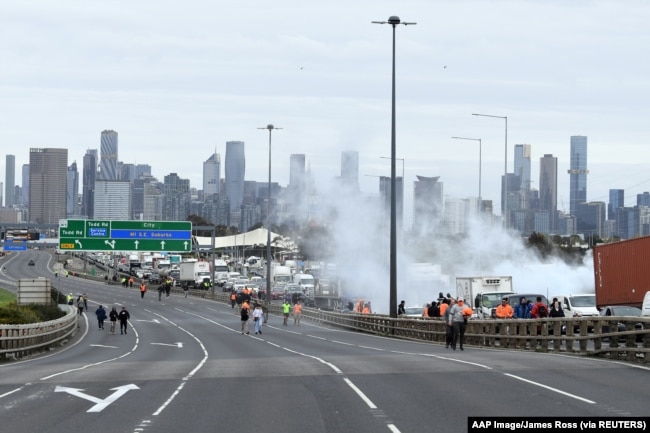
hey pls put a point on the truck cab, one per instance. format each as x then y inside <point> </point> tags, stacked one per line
<point>583,305</point>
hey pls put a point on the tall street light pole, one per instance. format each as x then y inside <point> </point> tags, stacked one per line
<point>479,167</point>
<point>505,170</point>
<point>394,22</point>
<point>268,223</point>
<point>402,192</point>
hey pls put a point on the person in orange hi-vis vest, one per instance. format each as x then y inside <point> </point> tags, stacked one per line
<point>143,289</point>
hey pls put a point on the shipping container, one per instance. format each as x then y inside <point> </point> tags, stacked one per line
<point>621,271</point>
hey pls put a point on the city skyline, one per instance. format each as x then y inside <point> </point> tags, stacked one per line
<point>179,92</point>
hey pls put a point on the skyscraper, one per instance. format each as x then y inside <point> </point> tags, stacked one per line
<point>108,161</point>
<point>235,173</point>
<point>88,183</point>
<point>112,200</point>
<point>47,185</point>
<point>176,198</point>
<point>384,192</point>
<point>522,165</point>
<point>548,187</point>
<point>211,174</point>
<point>72,190</point>
<point>616,200</point>
<point>350,169</point>
<point>10,180</point>
<point>297,171</point>
<point>25,185</point>
<point>427,204</point>
<point>578,173</point>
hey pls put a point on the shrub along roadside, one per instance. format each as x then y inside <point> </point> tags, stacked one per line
<point>13,314</point>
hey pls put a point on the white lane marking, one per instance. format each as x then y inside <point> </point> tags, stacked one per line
<point>100,404</point>
<point>179,344</point>
<point>372,348</point>
<point>360,393</point>
<point>317,337</point>
<point>191,373</point>
<point>83,367</point>
<point>342,342</point>
<point>550,388</point>
<point>101,345</point>
<point>11,392</point>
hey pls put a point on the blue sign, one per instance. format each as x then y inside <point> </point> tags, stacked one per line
<point>101,232</point>
<point>22,246</point>
<point>150,234</point>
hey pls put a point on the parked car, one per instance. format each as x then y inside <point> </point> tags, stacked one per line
<point>622,311</point>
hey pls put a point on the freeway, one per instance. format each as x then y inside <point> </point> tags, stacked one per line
<point>185,366</point>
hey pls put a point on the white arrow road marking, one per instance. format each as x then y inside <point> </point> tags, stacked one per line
<point>150,321</point>
<point>101,345</point>
<point>179,345</point>
<point>99,403</point>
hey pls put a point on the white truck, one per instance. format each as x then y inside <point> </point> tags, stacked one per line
<point>194,273</point>
<point>483,294</point>
<point>307,284</point>
<point>280,274</point>
<point>220,272</point>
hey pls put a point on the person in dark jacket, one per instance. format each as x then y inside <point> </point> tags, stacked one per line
<point>123,317</point>
<point>556,309</point>
<point>101,316</point>
<point>113,318</point>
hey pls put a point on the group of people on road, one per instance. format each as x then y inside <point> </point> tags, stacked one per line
<point>526,309</point>
<point>123,317</point>
<point>258,317</point>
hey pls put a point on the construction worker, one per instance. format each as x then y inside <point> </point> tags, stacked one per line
<point>233,298</point>
<point>366,309</point>
<point>143,289</point>
<point>131,282</point>
<point>286,309</point>
<point>504,311</point>
<point>70,298</point>
<point>297,312</point>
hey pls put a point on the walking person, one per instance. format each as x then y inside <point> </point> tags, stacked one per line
<point>297,312</point>
<point>80,305</point>
<point>101,316</point>
<point>161,289</point>
<point>444,311</point>
<point>458,315</point>
<point>124,317</point>
<point>112,316</point>
<point>143,289</point>
<point>233,298</point>
<point>186,289</point>
<point>258,318</point>
<point>85,298</point>
<point>243,313</point>
<point>401,308</point>
<point>286,309</point>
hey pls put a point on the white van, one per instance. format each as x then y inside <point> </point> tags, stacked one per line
<point>645,307</point>
<point>583,305</point>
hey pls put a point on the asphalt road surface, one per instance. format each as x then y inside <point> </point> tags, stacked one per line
<point>184,365</point>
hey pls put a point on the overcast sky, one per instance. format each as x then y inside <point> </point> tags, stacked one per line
<point>178,79</point>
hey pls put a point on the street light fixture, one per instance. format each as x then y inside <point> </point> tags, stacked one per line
<point>505,170</point>
<point>480,145</point>
<point>268,223</point>
<point>393,21</point>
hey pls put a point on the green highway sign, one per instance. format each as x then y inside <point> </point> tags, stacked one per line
<point>97,235</point>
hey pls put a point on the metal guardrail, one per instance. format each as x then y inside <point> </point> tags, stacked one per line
<point>576,336</point>
<point>17,341</point>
